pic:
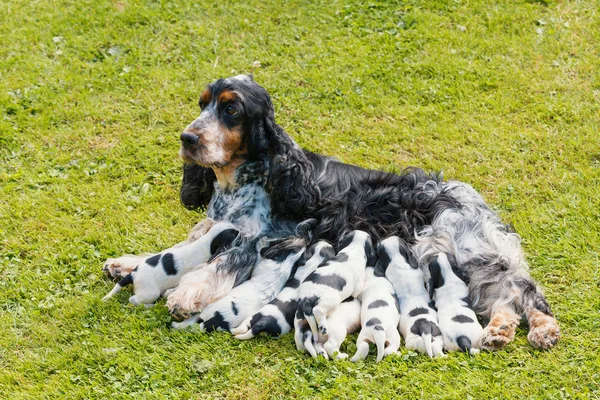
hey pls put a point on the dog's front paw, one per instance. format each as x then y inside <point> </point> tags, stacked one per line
<point>544,332</point>
<point>200,229</point>
<point>117,268</point>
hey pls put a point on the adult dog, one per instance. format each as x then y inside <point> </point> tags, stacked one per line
<point>245,169</point>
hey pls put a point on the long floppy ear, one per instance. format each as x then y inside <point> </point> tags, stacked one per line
<point>437,280</point>
<point>383,261</point>
<point>293,191</point>
<point>197,186</point>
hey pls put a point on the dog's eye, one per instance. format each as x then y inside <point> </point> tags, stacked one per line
<point>231,110</point>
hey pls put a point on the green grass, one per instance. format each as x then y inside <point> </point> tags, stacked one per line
<point>93,94</point>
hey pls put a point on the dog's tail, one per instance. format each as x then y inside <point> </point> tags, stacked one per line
<point>464,343</point>
<point>128,280</point>
<point>427,341</point>
<point>379,338</point>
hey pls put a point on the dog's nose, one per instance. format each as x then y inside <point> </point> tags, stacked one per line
<point>188,139</point>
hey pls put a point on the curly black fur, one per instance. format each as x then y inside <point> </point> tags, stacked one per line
<point>302,184</point>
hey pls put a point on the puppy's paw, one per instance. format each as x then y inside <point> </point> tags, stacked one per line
<point>341,356</point>
<point>200,229</point>
<point>117,268</point>
<point>544,332</point>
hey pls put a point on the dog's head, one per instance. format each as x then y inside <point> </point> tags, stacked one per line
<point>360,238</point>
<point>230,125</point>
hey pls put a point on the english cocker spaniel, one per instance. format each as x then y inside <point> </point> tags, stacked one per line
<point>244,168</point>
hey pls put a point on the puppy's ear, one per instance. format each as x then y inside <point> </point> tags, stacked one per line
<point>437,280</point>
<point>223,241</point>
<point>370,252</point>
<point>383,261</point>
<point>197,186</point>
<point>461,273</point>
<point>345,240</point>
<point>327,253</point>
<point>407,253</point>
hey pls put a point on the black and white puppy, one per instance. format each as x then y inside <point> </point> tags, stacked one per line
<point>458,322</point>
<point>379,316</point>
<point>163,271</point>
<point>243,301</point>
<point>345,319</point>
<point>418,320</point>
<point>334,281</point>
<point>277,317</point>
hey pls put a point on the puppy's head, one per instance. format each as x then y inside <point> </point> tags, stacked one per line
<point>230,125</point>
<point>359,237</point>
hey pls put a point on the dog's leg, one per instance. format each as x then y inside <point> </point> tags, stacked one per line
<point>362,349</point>
<point>516,293</point>
<point>544,332</point>
<point>186,323</point>
<point>321,311</point>
<point>243,328</point>
<point>334,341</point>
<point>501,329</point>
<point>393,343</point>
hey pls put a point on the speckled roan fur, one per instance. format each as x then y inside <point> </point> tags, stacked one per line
<point>448,216</point>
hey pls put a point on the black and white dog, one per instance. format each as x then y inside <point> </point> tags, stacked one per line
<point>379,315</point>
<point>277,317</point>
<point>244,300</point>
<point>418,318</point>
<point>248,171</point>
<point>457,320</point>
<point>334,281</point>
<point>345,319</point>
<point>155,275</point>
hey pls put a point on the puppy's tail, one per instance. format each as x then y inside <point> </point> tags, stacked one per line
<point>128,280</point>
<point>379,338</point>
<point>464,343</point>
<point>427,341</point>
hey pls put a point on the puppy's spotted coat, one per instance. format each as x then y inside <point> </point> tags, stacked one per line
<point>379,316</point>
<point>334,281</point>
<point>418,321</point>
<point>457,320</point>
<point>163,271</point>
<point>277,317</point>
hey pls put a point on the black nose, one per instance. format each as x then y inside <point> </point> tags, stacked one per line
<point>188,139</point>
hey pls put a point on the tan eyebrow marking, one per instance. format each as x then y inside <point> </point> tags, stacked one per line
<point>227,95</point>
<point>206,96</point>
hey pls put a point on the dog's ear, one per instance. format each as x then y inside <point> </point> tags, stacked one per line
<point>383,261</point>
<point>345,240</point>
<point>370,252</point>
<point>407,253</point>
<point>437,280</point>
<point>293,191</point>
<point>223,241</point>
<point>197,186</point>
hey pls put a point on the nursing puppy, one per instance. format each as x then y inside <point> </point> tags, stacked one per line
<point>163,271</point>
<point>277,317</point>
<point>379,316</point>
<point>457,320</point>
<point>267,280</point>
<point>418,321</point>
<point>345,319</point>
<point>337,279</point>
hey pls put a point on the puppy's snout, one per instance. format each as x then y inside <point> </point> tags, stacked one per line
<point>188,139</point>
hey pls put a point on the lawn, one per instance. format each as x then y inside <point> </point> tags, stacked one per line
<point>93,95</point>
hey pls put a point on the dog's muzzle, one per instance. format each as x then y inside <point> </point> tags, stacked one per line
<point>188,139</point>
